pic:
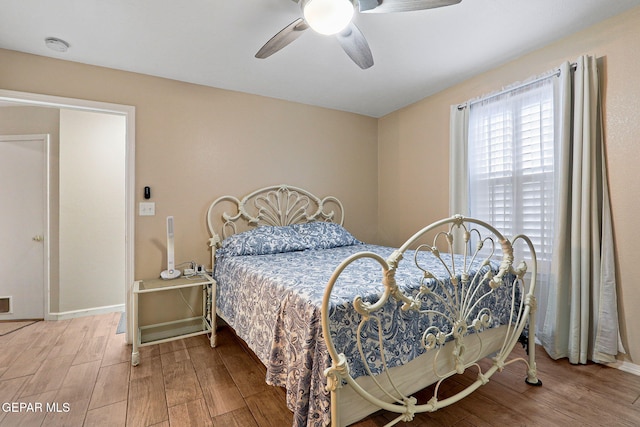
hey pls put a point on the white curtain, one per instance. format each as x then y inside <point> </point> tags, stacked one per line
<point>580,320</point>
<point>577,302</point>
<point>458,164</point>
<point>458,167</point>
<point>502,165</point>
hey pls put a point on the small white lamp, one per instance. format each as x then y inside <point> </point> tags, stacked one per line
<point>328,16</point>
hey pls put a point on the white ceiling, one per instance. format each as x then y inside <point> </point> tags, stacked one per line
<point>213,42</point>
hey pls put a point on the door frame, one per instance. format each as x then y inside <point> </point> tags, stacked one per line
<point>46,220</point>
<point>128,111</point>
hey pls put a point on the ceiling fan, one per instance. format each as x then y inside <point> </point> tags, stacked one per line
<point>334,17</point>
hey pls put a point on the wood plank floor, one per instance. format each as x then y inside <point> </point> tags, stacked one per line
<point>79,371</point>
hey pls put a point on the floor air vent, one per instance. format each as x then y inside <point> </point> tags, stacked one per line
<point>5,305</point>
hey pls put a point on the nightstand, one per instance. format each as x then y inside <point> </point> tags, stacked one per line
<point>183,328</point>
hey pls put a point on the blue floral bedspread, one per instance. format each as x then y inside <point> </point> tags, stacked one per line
<point>273,303</point>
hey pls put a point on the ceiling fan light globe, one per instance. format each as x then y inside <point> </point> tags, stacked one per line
<point>328,17</point>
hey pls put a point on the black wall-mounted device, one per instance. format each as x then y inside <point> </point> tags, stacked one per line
<point>147,193</point>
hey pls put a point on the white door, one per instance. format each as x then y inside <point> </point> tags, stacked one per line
<point>22,226</point>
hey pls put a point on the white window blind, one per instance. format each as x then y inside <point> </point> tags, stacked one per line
<point>511,162</point>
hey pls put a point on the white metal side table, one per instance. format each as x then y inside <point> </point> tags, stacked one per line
<point>177,329</point>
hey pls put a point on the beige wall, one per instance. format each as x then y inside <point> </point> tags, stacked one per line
<point>413,148</point>
<point>196,143</point>
<point>92,209</point>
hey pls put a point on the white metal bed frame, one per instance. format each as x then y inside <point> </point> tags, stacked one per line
<point>276,205</point>
<point>447,352</point>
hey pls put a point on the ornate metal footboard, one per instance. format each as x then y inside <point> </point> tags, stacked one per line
<point>456,304</point>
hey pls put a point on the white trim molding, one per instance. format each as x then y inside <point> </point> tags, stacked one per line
<point>625,366</point>
<point>86,312</point>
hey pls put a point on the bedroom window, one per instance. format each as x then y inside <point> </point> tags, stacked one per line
<point>532,156</point>
<point>511,162</point>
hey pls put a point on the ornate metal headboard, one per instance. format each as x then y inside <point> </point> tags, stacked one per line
<point>276,205</point>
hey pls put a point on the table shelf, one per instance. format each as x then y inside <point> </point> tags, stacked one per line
<point>144,335</point>
<point>169,331</point>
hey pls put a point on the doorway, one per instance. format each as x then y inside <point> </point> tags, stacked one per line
<point>55,306</point>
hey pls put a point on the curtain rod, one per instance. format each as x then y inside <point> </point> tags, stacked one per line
<point>512,88</point>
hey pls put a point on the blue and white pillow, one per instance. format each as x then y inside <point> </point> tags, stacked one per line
<point>261,241</point>
<point>325,235</point>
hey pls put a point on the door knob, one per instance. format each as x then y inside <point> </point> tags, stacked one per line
<point>38,238</point>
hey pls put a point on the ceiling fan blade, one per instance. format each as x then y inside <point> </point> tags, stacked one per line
<point>283,38</point>
<point>390,6</point>
<point>368,5</point>
<point>355,45</point>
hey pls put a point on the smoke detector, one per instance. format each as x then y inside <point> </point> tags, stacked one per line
<point>56,44</point>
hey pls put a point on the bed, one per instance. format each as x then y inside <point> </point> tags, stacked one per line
<point>349,328</point>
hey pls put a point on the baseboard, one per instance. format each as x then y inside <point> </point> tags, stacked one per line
<point>86,312</point>
<point>629,367</point>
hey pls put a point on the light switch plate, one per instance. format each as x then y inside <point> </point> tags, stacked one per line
<point>147,209</point>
